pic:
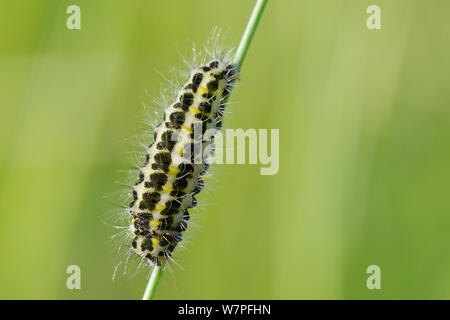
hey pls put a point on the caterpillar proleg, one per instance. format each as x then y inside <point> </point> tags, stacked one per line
<point>172,173</point>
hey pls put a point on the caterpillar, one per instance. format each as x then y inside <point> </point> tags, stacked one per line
<point>173,170</point>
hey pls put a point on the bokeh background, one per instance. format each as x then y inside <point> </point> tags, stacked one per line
<point>364,148</point>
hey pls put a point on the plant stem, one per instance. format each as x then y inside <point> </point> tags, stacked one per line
<point>249,33</point>
<point>237,62</point>
<point>152,283</point>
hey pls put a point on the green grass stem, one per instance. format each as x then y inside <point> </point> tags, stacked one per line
<point>153,283</point>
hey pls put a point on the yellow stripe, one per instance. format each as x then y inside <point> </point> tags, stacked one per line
<point>202,90</point>
<point>194,110</point>
<point>160,207</point>
<point>187,129</point>
<point>174,170</point>
<point>154,223</point>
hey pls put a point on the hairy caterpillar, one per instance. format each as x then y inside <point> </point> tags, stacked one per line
<point>172,173</point>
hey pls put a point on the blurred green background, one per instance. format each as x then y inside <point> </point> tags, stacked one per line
<point>364,148</point>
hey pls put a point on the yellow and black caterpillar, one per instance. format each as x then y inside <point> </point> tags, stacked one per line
<point>173,171</point>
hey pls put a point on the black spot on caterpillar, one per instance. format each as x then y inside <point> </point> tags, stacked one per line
<point>171,176</point>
